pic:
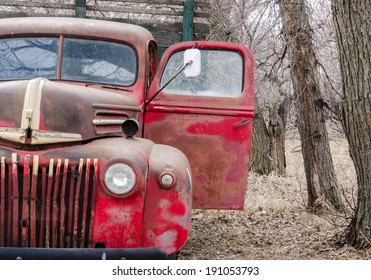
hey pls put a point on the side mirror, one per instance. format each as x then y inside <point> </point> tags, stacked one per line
<point>192,58</point>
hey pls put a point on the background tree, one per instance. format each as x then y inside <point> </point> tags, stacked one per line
<point>255,23</point>
<point>353,29</point>
<point>319,169</point>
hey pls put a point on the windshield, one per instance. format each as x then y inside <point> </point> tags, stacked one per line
<point>28,58</point>
<point>83,60</point>
<point>98,62</point>
<point>221,75</point>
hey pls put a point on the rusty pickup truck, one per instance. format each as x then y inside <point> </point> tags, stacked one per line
<point>104,153</point>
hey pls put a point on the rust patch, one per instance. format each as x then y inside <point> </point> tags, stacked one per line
<point>218,154</point>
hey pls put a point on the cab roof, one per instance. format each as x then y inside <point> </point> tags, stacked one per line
<point>80,27</point>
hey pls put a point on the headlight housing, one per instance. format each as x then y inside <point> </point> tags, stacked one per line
<point>120,178</point>
<point>167,179</point>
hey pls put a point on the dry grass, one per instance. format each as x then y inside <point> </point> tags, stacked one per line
<point>275,223</point>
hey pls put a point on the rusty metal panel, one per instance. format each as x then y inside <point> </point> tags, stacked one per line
<point>214,132</point>
<point>89,107</point>
<point>218,152</point>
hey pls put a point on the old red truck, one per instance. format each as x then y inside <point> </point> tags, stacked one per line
<point>103,154</point>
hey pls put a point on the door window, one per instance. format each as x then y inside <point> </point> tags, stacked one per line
<point>221,75</point>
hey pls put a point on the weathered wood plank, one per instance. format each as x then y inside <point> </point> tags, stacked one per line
<point>160,2</point>
<point>142,11</point>
<point>150,10</point>
<point>134,10</point>
<point>166,39</point>
<point>163,18</point>
<point>57,5</point>
<point>198,3</point>
<point>31,14</point>
<point>153,26</point>
<point>33,4</point>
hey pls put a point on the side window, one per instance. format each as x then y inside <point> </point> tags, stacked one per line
<point>221,75</point>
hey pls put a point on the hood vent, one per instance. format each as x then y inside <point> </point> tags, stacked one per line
<point>109,122</point>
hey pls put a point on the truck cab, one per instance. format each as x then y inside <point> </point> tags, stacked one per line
<point>103,154</point>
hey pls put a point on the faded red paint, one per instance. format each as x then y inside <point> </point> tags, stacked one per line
<point>167,214</point>
<point>7,123</point>
<point>220,129</point>
<point>117,222</point>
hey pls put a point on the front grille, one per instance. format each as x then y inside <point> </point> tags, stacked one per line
<point>46,204</point>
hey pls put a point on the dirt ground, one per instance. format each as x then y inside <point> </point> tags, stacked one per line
<point>275,224</point>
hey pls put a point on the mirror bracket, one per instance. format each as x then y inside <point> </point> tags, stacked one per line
<point>191,67</point>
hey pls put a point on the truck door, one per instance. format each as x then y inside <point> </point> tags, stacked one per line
<point>208,117</point>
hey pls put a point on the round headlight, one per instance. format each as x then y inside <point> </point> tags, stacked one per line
<point>120,178</point>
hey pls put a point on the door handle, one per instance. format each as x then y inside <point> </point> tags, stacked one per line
<point>241,124</point>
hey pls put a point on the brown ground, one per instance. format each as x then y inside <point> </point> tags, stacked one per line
<point>275,223</point>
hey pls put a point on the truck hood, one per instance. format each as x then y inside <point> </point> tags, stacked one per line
<point>40,111</point>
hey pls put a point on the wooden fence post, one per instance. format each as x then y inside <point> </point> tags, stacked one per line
<point>80,8</point>
<point>188,17</point>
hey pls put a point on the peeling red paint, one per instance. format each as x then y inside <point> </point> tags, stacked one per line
<point>168,211</point>
<point>215,156</point>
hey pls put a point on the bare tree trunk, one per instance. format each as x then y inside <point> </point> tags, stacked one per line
<point>319,169</point>
<point>277,134</point>
<point>277,127</point>
<point>260,157</point>
<point>352,24</point>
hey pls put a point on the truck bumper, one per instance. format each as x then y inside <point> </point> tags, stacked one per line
<point>14,253</point>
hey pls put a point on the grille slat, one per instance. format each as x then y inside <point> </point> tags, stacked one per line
<point>41,208</point>
<point>3,199</point>
<point>85,199</point>
<point>77,206</point>
<point>63,205</point>
<point>33,198</point>
<point>70,207</point>
<point>46,206</point>
<point>15,201</point>
<point>24,222</point>
<point>92,206</point>
<point>55,208</point>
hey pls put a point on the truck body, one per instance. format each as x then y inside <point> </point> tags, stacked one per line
<point>104,154</point>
